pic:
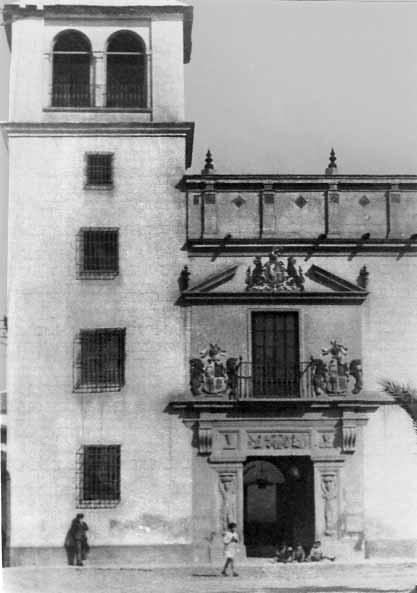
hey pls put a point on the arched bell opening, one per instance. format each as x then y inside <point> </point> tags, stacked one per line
<point>71,76</point>
<point>126,71</point>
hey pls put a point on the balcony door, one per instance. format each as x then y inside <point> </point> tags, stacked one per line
<point>275,354</point>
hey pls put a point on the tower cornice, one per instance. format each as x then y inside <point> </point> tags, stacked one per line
<point>173,129</point>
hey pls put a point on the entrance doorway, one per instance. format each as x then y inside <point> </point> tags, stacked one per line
<point>278,503</point>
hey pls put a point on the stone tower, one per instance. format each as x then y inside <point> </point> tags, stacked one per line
<point>97,144</point>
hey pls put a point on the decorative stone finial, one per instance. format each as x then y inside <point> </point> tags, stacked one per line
<point>363,278</point>
<point>332,168</point>
<point>208,165</point>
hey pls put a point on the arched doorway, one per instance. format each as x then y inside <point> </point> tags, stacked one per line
<point>278,503</point>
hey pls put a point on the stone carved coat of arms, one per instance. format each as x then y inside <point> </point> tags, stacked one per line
<point>275,275</point>
<point>212,374</point>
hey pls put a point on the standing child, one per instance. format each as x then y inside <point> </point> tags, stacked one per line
<point>230,541</point>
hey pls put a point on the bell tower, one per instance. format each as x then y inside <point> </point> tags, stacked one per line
<point>97,145</point>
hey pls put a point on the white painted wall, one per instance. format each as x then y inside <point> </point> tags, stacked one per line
<point>390,475</point>
<point>48,306</point>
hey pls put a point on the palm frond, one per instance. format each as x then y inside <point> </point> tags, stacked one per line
<point>405,395</point>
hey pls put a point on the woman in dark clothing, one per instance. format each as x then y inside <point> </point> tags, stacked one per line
<point>76,544</point>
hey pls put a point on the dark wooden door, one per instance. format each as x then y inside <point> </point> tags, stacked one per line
<point>275,354</point>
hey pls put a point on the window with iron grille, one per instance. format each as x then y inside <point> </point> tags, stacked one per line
<point>99,360</point>
<point>98,479</point>
<point>99,170</point>
<point>98,253</point>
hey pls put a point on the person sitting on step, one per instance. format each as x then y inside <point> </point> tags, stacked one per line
<point>316,553</point>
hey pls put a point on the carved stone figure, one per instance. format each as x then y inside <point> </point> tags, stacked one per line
<point>329,493</point>
<point>196,375</point>
<point>338,373</point>
<point>228,492</point>
<point>257,277</point>
<point>355,370</point>
<point>274,275</point>
<point>184,279</point>
<point>319,376</point>
<point>296,278</point>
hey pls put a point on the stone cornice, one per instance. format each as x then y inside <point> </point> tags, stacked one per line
<point>175,129</point>
<point>365,401</point>
<point>277,298</point>
<point>329,247</point>
<point>86,10</point>
<point>286,182</point>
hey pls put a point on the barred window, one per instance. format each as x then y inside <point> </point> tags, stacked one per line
<point>99,170</point>
<point>98,253</point>
<point>99,360</point>
<point>98,480</point>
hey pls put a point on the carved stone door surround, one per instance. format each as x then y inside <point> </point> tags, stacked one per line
<point>328,488</point>
<point>230,496</point>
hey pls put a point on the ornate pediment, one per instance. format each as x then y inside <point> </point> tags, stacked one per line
<point>273,280</point>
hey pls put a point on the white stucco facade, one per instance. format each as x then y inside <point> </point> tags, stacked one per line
<point>178,449</point>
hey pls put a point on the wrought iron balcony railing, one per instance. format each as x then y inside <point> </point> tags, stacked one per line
<point>71,95</point>
<point>270,381</point>
<point>126,95</point>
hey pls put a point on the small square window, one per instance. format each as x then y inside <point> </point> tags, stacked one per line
<point>98,253</point>
<point>99,170</point>
<point>99,360</point>
<point>98,480</point>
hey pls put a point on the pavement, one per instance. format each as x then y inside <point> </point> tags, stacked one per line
<point>259,577</point>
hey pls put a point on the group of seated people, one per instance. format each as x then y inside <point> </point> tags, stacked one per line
<point>297,553</point>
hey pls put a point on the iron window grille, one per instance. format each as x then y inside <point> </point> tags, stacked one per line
<point>98,253</point>
<point>99,360</point>
<point>99,170</point>
<point>98,476</point>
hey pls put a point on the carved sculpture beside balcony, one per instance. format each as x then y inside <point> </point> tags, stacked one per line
<point>355,371</point>
<point>332,378</point>
<point>212,373</point>
<point>274,275</point>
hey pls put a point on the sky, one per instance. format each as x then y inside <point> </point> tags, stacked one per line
<point>273,85</point>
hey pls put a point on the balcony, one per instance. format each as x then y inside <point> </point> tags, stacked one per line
<point>238,380</point>
<point>265,381</point>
